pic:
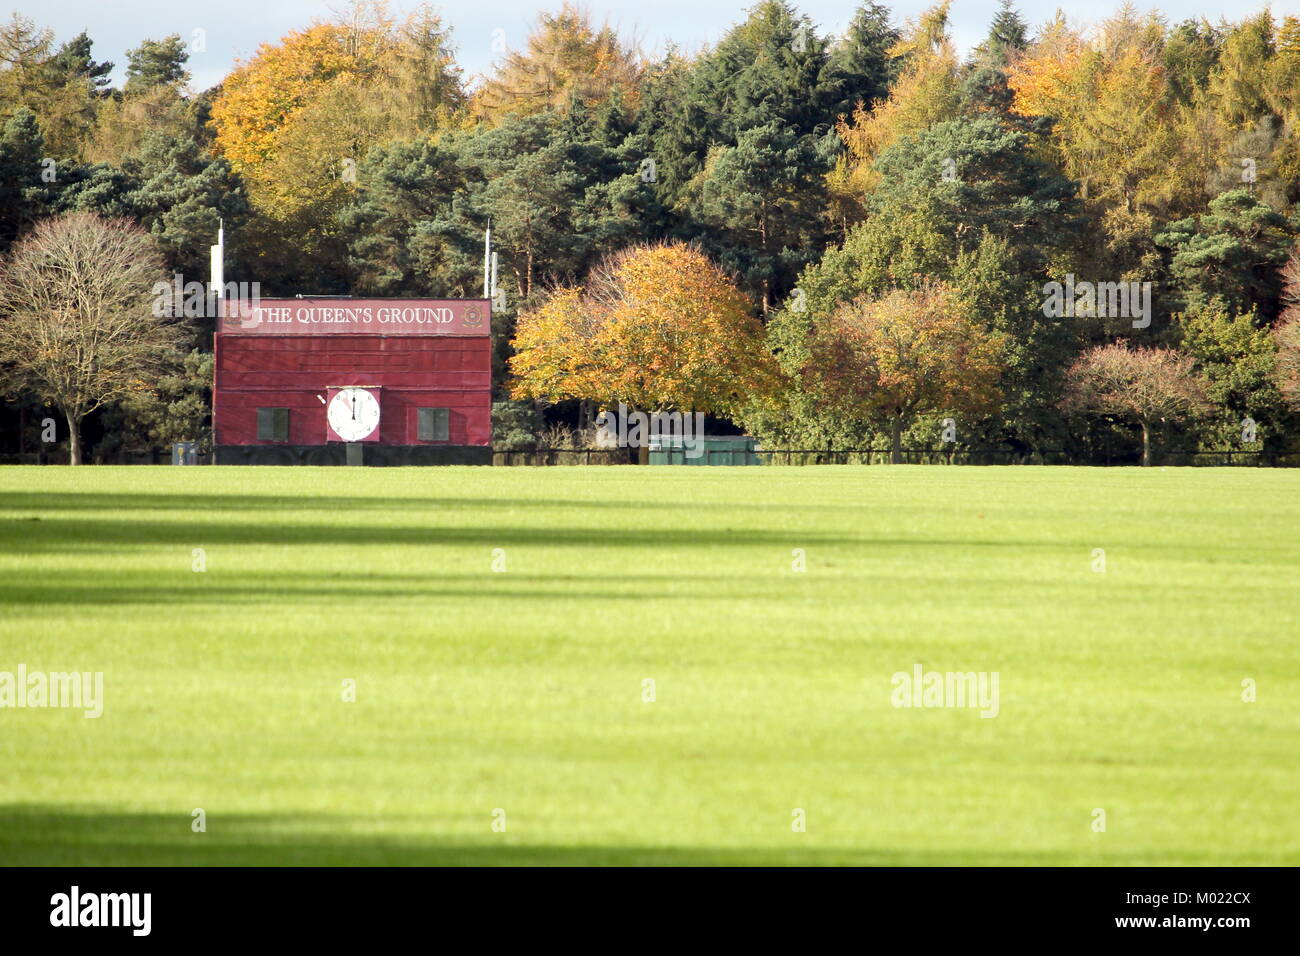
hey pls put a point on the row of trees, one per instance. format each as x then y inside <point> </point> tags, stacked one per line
<point>819,198</point>
<point>1135,153</point>
<point>660,326</point>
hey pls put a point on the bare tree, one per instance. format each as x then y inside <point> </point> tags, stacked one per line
<point>1142,385</point>
<point>76,315</point>
<point>1286,333</point>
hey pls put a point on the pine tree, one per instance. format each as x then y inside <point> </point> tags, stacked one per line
<point>24,194</point>
<point>157,63</point>
<point>1007,35</point>
<point>73,61</point>
<point>860,65</point>
<point>1230,255</point>
<point>763,202</point>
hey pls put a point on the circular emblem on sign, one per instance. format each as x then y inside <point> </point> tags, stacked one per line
<point>473,317</point>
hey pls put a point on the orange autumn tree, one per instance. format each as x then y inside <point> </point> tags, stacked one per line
<point>260,96</point>
<point>555,350</point>
<point>1040,77</point>
<point>907,353</point>
<point>334,89</point>
<point>658,326</point>
<point>298,119</point>
<point>1140,154</point>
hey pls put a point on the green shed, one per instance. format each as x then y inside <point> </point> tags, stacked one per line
<point>718,450</point>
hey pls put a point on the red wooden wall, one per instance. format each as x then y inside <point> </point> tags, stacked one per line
<point>412,371</point>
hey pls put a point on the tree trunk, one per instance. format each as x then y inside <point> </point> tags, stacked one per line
<point>1146,445</point>
<point>74,439</point>
<point>896,440</point>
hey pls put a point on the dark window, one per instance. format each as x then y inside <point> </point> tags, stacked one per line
<point>273,424</point>
<point>434,424</point>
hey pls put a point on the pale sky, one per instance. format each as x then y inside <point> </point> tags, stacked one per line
<point>234,28</point>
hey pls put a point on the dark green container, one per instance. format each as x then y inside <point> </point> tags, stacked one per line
<point>717,450</point>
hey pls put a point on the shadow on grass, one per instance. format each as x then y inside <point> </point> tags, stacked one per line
<point>148,588</point>
<point>38,835</point>
<point>58,522</point>
<point>59,534</point>
<point>79,536</point>
<point>69,535</point>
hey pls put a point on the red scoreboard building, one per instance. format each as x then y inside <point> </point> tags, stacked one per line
<point>329,381</point>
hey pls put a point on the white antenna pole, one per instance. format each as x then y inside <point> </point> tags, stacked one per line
<point>219,261</point>
<point>487,262</point>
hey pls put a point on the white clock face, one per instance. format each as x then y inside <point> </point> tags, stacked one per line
<point>353,413</point>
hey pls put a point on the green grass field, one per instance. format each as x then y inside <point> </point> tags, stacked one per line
<point>522,690</point>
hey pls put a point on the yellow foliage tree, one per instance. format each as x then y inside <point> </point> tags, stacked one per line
<point>1240,85</point>
<point>1040,76</point>
<point>658,326</point>
<point>1141,157</point>
<point>401,75</point>
<point>1283,91</point>
<point>555,350</point>
<point>566,56</point>
<point>122,123</point>
<point>299,118</point>
<point>259,97</point>
<point>926,92</point>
